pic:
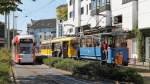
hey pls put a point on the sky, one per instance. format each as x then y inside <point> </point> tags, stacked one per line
<point>40,9</point>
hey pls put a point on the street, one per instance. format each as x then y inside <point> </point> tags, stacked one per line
<point>42,74</point>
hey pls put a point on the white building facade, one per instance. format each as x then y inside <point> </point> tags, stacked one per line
<point>128,14</point>
<point>124,16</point>
<point>80,13</point>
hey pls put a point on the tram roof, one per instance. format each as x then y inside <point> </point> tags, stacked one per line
<point>55,40</point>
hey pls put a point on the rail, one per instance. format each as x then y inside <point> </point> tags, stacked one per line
<point>136,63</point>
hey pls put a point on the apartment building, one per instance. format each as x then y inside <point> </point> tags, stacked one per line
<point>128,14</point>
<point>124,17</point>
<point>87,14</point>
<point>144,23</point>
<point>43,29</point>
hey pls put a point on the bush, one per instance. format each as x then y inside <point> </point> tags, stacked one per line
<point>52,61</point>
<point>94,70</point>
<point>68,64</point>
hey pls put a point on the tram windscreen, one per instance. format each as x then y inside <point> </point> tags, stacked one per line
<point>25,48</point>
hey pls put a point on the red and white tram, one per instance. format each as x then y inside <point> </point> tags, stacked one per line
<point>23,50</point>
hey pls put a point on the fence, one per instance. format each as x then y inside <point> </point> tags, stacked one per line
<point>133,62</point>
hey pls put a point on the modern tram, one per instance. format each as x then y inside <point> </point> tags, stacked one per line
<point>23,49</point>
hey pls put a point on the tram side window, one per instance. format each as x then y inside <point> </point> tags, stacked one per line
<point>83,43</point>
<point>89,42</point>
<point>120,42</point>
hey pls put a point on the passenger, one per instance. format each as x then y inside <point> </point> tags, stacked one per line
<point>104,50</point>
<point>118,58</point>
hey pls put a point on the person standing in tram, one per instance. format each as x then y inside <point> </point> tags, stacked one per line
<point>104,49</point>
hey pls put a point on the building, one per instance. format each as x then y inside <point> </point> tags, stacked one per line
<point>118,15</point>
<point>129,14</point>
<point>59,28</point>
<point>2,41</point>
<point>84,14</point>
<point>124,17</point>
<point>144,25</point>
<point>42,29</point>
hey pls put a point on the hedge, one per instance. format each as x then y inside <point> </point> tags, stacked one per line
<point>95,71</point>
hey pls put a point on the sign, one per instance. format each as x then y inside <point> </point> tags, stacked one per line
<point>26,40</point>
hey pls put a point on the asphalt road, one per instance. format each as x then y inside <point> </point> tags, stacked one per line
<point>42,74</point>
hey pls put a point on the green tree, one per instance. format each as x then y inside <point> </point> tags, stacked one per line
<point>9,5</point>
<point>62,12</point>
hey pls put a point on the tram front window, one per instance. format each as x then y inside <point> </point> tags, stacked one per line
<point>25,48</point>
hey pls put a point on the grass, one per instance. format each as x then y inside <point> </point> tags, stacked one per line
<point>4,66</point>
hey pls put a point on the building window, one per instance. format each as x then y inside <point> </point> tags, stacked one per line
<point>87,8</point>
<point>70,14</point>
<point>126,1</point>
<point>40,36</point>
<point>81,0</point>
<point>70,30</point>
<point>134,48</point>
<point>82,10</point>
<point>71,1</point>
<point>90,6</point>
<point>118,19</point>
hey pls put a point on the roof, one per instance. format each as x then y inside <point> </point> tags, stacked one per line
<point>61,39</point>
<point>44,23</point>
<point>18,37</point>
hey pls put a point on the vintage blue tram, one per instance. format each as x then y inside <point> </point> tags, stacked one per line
<point>107,47</point>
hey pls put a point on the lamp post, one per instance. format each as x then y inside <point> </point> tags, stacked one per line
<point>14,23</point>
<point>5,30</point>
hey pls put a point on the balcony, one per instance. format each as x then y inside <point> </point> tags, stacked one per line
<point>99,6</point>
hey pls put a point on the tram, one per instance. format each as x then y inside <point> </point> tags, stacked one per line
<point>108,48</point>
<point>23,49</point>
<point>60,47</point>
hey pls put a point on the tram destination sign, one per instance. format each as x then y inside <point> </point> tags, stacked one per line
<point>26,41</point>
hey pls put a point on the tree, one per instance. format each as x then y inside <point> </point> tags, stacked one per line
<point>62,12</point>
<point>140,43</point>
<point>9,5</point>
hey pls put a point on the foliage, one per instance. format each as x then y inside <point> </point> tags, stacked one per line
<point>140,43</point>
<point>94,70</point>
<point>52,61</point>
<point>68,64</point>
<point>62,12</point>
<point>9,5</point>
<point>5,66</point>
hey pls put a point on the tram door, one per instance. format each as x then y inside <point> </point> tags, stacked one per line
<point>65,48</point>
